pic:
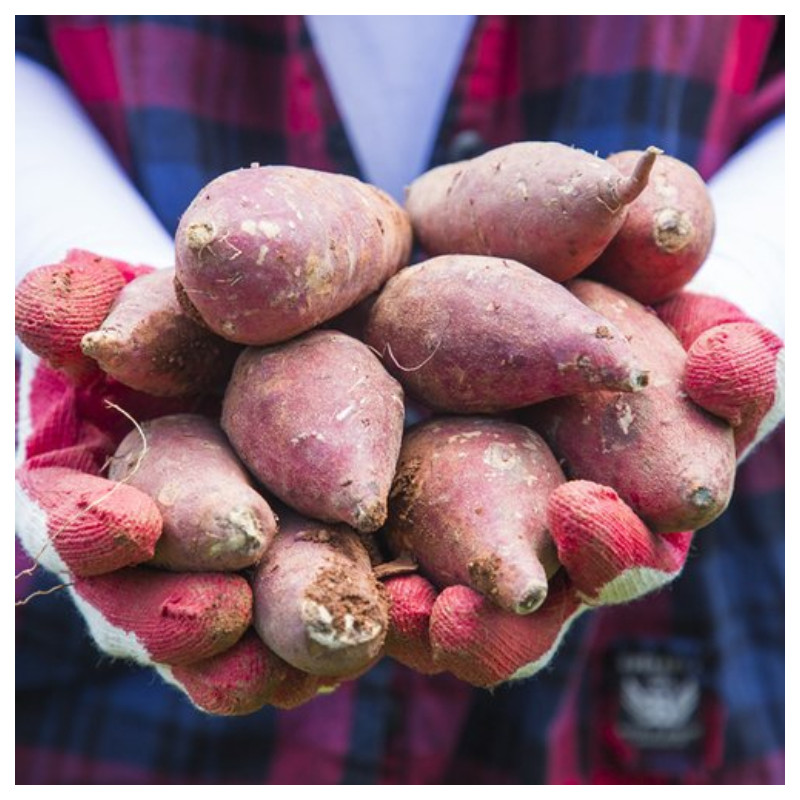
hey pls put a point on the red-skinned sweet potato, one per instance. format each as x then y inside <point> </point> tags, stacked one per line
<point>475,334</point>
<point>318,421</point>
<point>148,342</point>
<point>552,207</point>
<point>267,253</point>
<point>670,461</point>
<point>469,504</point>
<point>666,235</point>
<point>213,518</point>
<point>318,604</point>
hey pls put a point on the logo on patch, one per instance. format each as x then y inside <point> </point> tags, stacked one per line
<point>659,699</point>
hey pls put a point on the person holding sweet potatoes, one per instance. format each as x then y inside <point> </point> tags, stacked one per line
<point>637,690</point>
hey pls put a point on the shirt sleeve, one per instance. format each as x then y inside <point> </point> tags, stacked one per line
<point>70,191</point>
<point>746,262</point>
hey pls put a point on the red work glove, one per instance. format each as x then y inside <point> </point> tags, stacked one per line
<point>735,367</point>
<point>194,628</point>
<point>735,370</point>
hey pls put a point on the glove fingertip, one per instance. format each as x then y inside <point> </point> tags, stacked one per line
<point>408,639</point>
<point>163,617</point>
<point>735,371</point>
<point>244,679</point>
<point>485,646</point>
<point>609,553</point>
<point>233,683</point>
<point>56,304</point>
<point>688,314</point>
<point>84,524</point>
<point>128,271</point>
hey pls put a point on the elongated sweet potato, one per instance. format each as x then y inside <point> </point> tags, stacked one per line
<point>469,503</point>
<point>213,518</point>
<point>267,253</point>
<point>552,207</point>
<point>319,422</point>
<point>479,334</point>
<point>669,460</point>
<point>317,603</point>
<point>148,342</point>
<point>666,235</point>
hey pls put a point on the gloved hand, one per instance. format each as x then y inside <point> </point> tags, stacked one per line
<point>735,366</point>
<point>607,555</point>
<point>194,628</point>
<point>735,370</point>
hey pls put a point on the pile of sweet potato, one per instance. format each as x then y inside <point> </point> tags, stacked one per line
<point>293,306</point>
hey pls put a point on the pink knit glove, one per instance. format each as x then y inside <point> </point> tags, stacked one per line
<point>735,370</point>
<point>95,534</point>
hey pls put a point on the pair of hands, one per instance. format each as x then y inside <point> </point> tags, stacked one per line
<point>194,628</point>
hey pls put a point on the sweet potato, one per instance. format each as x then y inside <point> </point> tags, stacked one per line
<point>319,422</point>
<point>552,207</point>
<point>666,235</point>
<point>669,460</point>
<point>213,518</point>
<point>148,342</point>
<point>317,603</point>
<point>267,253</point>
<point>479,334</point>
<point>469,504</point>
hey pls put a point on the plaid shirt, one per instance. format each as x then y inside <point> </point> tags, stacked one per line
<point>682,686</point>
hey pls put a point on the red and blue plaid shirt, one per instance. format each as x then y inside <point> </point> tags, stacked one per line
<point>683,686</point>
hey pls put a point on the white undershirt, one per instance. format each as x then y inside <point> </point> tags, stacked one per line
<point>69,189</point>
<point>747,260</point>
<point>390,77</point>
